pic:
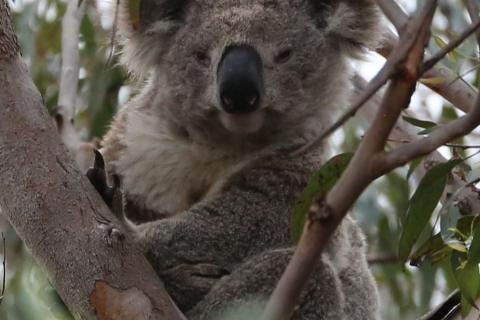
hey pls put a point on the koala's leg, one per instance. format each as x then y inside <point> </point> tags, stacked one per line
<point>248,287</point>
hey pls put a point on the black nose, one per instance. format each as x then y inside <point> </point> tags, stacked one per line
<point>240,79</point>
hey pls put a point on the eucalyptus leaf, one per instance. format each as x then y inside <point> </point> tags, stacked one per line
<point>419,123</point>
<point>422,204</point>
<point>468,277</point>
<point>413,166</point>
<point>319,185</point>
<point>433,250</point>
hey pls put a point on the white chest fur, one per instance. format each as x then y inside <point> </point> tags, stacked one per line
<point>166,173</point>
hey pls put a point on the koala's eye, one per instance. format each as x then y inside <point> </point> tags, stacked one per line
<point>202,58</point>
<point>283,55</point>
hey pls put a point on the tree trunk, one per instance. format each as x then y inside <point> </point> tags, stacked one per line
<point>92,263</point>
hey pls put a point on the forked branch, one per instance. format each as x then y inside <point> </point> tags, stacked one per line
<point>370,161</point>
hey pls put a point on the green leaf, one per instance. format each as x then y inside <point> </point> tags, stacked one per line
<point>422,204</point>
<point>433,250</point>
<point>442,44</point>
<point>413,166</point>
<point>467,275</point>
<point>457,245</point>
<point>319,185</point>
<point>474,250</point>
<point>419,123</point>
<point>427,131</point>
<point>449,217</point>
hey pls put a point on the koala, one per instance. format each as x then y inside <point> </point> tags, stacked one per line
<point>204,151</point>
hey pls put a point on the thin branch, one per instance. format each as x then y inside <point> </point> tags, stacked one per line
<point>452,45</point>
<point>379,81</point>
<point>451,145</point>
<point>457,92</point>
<point>376,84</point>
<point>438,137</point>
<point>474,12</point>
<point>394,13</point>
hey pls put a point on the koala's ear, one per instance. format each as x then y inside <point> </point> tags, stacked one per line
<point>353,25</point>
<point>144,30</point>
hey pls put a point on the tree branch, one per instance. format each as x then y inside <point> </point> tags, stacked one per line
<point>67,96</point>
<point>94,265</point>
<point>452,89</point>
<point>328,213</point>
<point>381,78</point>
<point>440,136</point>
<point>474,12</point>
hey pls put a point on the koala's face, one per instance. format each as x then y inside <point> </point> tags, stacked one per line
<point>251,67</point>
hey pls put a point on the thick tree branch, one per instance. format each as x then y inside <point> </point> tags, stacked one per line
<point>56,212</point>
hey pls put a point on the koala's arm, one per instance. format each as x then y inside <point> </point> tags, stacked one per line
<point>251,214</point>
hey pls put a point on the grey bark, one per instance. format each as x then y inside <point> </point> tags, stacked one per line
<point>57,213</point>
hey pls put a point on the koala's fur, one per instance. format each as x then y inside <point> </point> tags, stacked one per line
<point>216,203</point>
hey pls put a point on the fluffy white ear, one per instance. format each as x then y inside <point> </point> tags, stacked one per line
<point>144,30</point>
<point>353,25</point>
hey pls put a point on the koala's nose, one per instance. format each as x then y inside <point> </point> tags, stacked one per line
<point>240,79</point>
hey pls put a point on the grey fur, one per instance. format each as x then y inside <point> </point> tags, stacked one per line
<point>219,202</point>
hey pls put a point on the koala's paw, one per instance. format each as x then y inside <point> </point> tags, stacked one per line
<point>201,276</point>
<point>112,195</point>
<point>189,283</point>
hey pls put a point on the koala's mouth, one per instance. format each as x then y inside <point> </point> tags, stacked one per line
<point>244,123</point>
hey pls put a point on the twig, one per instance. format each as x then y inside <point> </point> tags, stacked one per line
<point>457,92</point>
<point>394,13</point>
<point>474,12</point>
<point>450,47</point>
<point>380,79</point>
<point>451,145</point>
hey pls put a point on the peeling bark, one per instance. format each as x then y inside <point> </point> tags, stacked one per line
<point>93,264</point>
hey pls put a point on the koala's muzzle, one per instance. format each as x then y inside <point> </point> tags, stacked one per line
<point>240,79</point>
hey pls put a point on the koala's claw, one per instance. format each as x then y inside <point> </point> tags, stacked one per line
<point>110,194</point>
<point>98,177</point>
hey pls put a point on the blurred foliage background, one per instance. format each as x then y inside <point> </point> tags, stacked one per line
<point>406,292</point>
